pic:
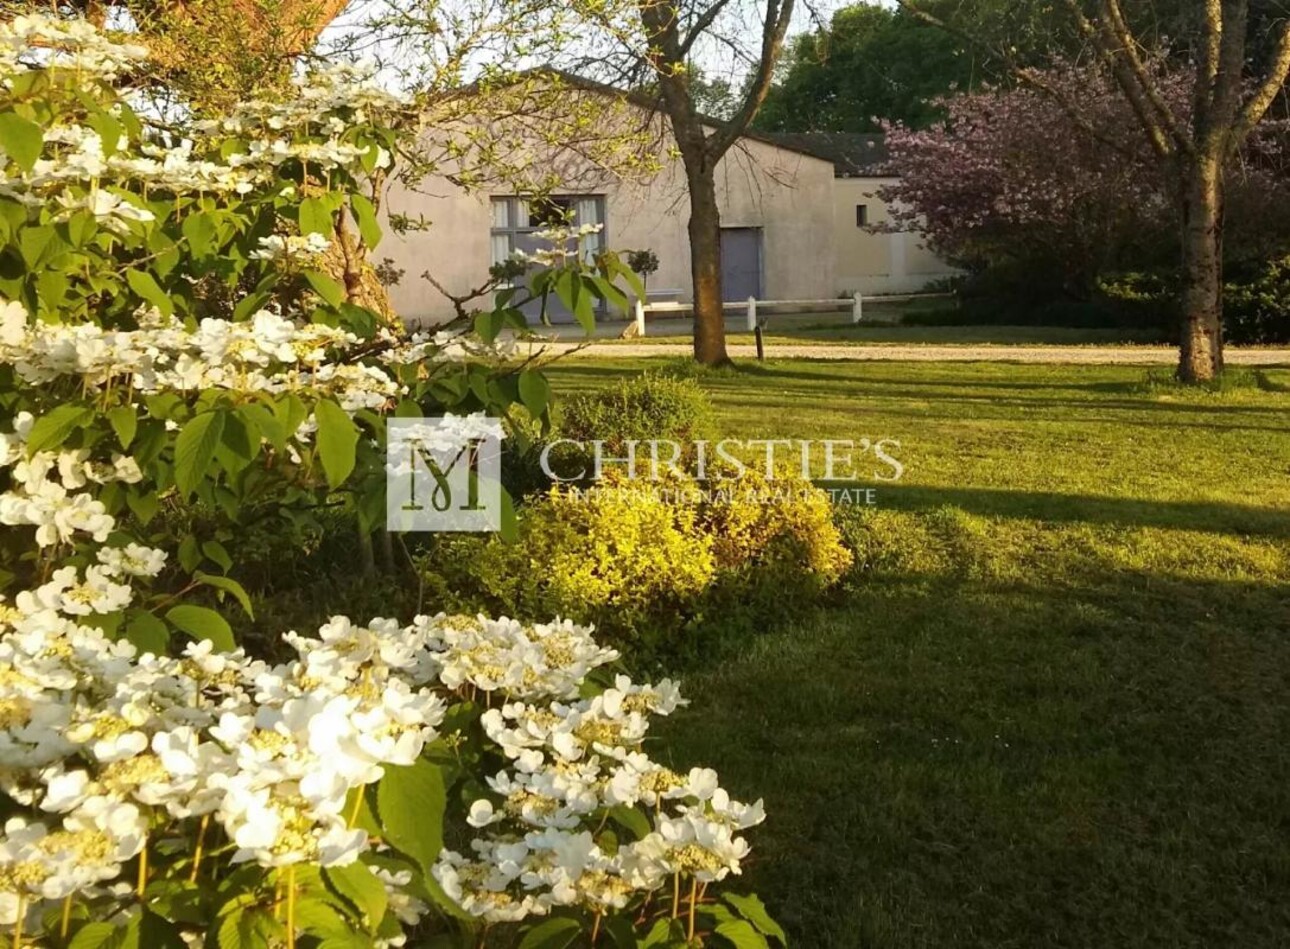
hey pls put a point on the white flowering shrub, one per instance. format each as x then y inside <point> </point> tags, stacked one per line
<point>454,782</point>
<point>262,402</point>
<point>215,799</point>
<point>214,796</point>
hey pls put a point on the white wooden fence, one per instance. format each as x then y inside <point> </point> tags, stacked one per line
<point>750,306</point>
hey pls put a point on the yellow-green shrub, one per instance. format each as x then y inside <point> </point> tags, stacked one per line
<point>757,521</point>
<point>649,563</point>
<point>622,558</point>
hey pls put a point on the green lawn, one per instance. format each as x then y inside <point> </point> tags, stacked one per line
<point>1053,708</point>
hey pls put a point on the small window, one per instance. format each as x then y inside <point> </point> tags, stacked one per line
<point>862,215</point>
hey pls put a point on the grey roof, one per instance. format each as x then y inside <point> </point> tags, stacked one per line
<point>854,154</point>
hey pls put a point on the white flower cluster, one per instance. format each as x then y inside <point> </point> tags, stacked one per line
<point>279,247</point>
<point>565,242</point>
<point>37,42</point>
<point>572,761</point>
<point>267,353</point>
<point>45,490</point>
<point>336,97</point>
<point>308,127</point>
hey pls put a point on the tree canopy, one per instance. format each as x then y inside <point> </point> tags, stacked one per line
<point>871,64</point>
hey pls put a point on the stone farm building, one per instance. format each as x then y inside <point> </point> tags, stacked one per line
<point>796,219</point>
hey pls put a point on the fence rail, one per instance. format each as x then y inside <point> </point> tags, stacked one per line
<point>751,306</point>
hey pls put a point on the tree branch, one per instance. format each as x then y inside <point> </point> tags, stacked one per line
<point>1118,28</point>
<point>1156,134</point>
<point>1265,93</point>
<point>705,20</point>
<point>778,15</point>
<point>1026,74</point>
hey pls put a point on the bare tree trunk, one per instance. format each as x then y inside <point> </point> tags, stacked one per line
<point>1201,208</point>
<point>705,266</point>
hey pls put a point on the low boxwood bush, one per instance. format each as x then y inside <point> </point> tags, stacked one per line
<point>653,405</point>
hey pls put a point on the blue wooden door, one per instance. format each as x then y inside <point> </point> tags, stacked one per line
<point>740,263</point>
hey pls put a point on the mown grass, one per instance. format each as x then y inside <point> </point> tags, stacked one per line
<point>1052,708</point>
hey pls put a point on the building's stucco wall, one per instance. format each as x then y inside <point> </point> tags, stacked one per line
<point>789,196</point>
<point>877,263</point>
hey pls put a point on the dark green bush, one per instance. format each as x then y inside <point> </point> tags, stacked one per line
<point>653,405</point>
<point>1256,310</point>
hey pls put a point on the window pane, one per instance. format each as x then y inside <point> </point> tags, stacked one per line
<point>501,213</point>
<point>588,211</point>
<point>501,248</point>
<point>862,215</point>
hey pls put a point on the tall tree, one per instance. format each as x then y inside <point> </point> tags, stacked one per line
<point>655,45</point>
<point>1238,68</point>
<point>869,65</point>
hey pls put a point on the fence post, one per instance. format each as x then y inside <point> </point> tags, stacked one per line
<point>640,317</point>
<point>857,307</point>
<point>752,314</point>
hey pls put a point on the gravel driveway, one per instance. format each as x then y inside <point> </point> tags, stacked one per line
<point>1079,355</point>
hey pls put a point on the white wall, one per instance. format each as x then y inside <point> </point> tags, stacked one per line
<point>877,263</point>
<point>788,195</point>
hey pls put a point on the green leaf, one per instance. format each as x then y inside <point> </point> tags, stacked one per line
<point>195,449</point>
<point>554,933</point>
<point>199,230</point>
<point>488,324</point>
<point>21,138</point>
<point>124,422</point>
<point>315,217</point>
<point>109,130</point>
<point>228,585</point>
<point>365,215</point>
<point>631,819</point>
<point>143,505</point>
<point>346,941</point>
<point>51,288</point>
<point>190,553</point>
<point>93,936</point>
<point>142,283</point>
<point>535,392</point>
<point>217,553</point>
<point>291,412</point>
<point>320,918</point>
<point>410,803</point>
<point>358,885</point>
<point>332,292</point>
<point>38,245</point>
<point>250,929</point>
<point>250,304</point>
<point>258,418</point>
<point>202,623</point>
<point>576,298</point>
<point>742,935</point>
<point>52,429</point>
<point>751,908</point>
<point>337,441</point>
<point>146,632</point>
<point>665,932</point>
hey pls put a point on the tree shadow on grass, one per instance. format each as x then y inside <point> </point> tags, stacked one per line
<point>1212,517</point>
<point>963,762</point>
<point>959,390</point>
